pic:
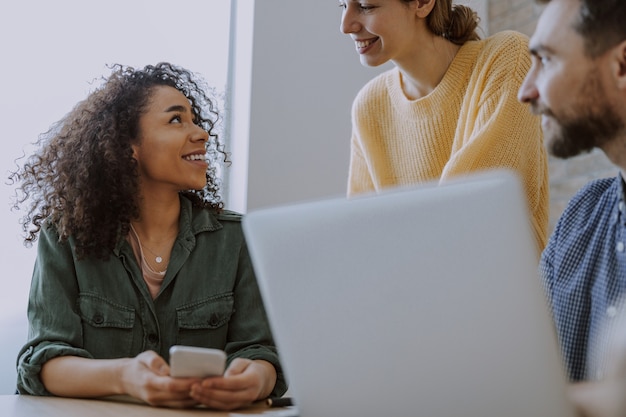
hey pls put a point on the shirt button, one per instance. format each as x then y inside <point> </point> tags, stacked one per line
<point>620,246</point>
<point>611,311</point>
<point>214,320</point>
<point>98,319</point>
<point>153,338</point>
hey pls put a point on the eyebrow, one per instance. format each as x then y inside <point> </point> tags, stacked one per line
<point>176,108</point>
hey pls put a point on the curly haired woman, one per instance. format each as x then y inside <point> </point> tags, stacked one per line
<point>136,253</point>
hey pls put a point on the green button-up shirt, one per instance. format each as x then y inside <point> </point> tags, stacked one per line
<point>102,309</point>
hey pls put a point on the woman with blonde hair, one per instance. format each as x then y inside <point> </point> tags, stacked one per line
<point>447,108</point>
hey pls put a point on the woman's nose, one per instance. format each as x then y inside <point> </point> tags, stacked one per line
<point>348,23</point>
<point>200,134</point>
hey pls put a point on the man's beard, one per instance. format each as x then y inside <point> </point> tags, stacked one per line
<point>590,123</point>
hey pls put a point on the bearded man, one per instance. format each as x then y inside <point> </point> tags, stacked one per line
<point>577,83</point>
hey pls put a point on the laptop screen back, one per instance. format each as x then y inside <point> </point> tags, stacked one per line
<point>414,302</point>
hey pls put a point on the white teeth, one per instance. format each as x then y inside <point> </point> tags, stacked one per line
<point>363,44</point>
<point>197,157</point>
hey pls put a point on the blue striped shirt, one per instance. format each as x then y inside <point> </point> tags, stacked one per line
<point>584,270</point>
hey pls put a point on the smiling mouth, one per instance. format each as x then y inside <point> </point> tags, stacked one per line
<point>196,157</point>
<point>365,43</point>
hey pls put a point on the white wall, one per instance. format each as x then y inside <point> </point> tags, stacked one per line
<point>305,74</point>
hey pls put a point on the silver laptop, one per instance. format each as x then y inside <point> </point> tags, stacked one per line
<point>414,302</point>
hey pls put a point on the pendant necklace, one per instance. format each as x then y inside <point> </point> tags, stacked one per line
<point>157,258</point>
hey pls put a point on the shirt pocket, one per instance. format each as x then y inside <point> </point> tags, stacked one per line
<point>107,327</point>
<point>205,323</point>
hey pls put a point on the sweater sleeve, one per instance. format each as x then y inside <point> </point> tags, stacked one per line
<point>500,132</point>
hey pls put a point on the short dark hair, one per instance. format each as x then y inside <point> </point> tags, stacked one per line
<point>601,23</point>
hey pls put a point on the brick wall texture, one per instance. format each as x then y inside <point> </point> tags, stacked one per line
<point>566,176</point>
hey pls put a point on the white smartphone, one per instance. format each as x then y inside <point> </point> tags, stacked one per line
<point>191,361</point>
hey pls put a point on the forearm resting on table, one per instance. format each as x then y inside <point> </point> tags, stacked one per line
<point>72,376</point>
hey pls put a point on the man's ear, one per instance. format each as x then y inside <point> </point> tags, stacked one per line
<point>619,65</point>
<point>424,7</point>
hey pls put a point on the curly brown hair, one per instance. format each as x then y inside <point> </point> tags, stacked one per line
<point>83,179</point>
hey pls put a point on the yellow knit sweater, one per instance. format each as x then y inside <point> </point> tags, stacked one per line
<point>472,121</point>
